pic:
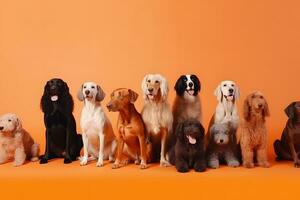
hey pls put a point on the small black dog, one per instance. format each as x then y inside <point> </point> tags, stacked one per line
<point>62,139</point>
<point>288,147</point>
<point>188,152</point>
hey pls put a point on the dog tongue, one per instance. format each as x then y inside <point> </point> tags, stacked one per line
<point>54,98</point>
<point>191,92</point>
<point>230,98</point>
<point>191,140</point>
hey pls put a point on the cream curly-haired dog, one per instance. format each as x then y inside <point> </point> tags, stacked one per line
<point>157,114</point>
<point>15,142</point>
<point>253,131</point>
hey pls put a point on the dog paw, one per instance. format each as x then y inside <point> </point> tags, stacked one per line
<point>264,164</point>
<point>248,165</point>
<point>67,161</point>
<point>214,164</point>
<point>233,163</point>
<point>183,169</point>
<point>17,164</point>
<point>34,159</point>
<point>200,169</point>
<point>137,162</point>
<point>43,161</point>
<point>83,161</point>
<point>143,166</point>
<point>100,164</point>
<point>297,164</point>
<point>116,166</point>
<point>164,163</point>
<point>111,159</point>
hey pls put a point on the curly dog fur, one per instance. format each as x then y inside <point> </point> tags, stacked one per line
<point>15,142</point>
<point>189,150</point>
<point>253,131</point>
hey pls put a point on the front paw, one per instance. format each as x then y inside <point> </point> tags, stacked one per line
<point>116,166</point>
<point>213,163</point>
<point>67,161</point>
<point>264,164</point>
<point>43,160</point>
<point>100,163</point>
<point>143,166</point>
<point>17,164</point>
<point>297,164</point>
<point>233,163</point>
<point>83,161</point>
<point>164,163</point>
<point>200,168</point>
<point>248,165</point>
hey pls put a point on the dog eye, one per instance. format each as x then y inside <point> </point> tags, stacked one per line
<point>84,87</point>
<point>93,87</point>
<point>156,81</point>
<point>9,120</point>
<point>261,97</point>
<point>253,96</point>
<point>232,85</point>
<point>148,81</point>
<point>225,85</point>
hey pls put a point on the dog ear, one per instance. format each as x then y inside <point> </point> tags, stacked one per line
<point>132,96</point>
<point>201,130</point>
<point>179,130</point>
<point>100,94</point>
<point>65,86</point>
<point>218,93</point>
<point>266,111</point>
<point>18,124</point>
<point>197,83</point>
<point>290,110</point>
<point>246,109</point>
<point>164,87</point>
<point>237,92</point>
<point>144,86</point>
<point>80,96</point>
<point>180,85</point>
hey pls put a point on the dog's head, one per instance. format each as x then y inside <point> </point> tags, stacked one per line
<point>90,91</point>
<point>10,123</point>
<point>293,110</point>
<point>121,98</point>
<point>190,132</point>
<point>56,88</point>
<point>227,91</point>
<point>220,133</point>
<point>256,104</point>
<point>155,87</point>
<point>188,85</point>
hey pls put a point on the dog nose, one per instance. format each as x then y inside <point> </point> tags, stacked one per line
<point>260,105</point>
<point>109,105</point>
<point>150,89</point>
<point>87,92</point>
<point>191,84</point>
<point>221,141</point>
<point>230,90</point>
<point>52,87</point>
<point>1,128</point>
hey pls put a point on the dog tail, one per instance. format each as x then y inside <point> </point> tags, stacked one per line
<point>35,151</point>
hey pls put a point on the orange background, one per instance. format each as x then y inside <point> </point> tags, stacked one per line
<point>115,43</point>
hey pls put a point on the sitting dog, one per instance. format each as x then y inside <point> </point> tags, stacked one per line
<point>253,131</point>
<point>62,140</point>
<point>157,115</point>
<point>188,151</point>
<point>221,146</point>
<point>97,133</point>
<point>131,135</point>
<point>15,142</point>
<point>288,148</point>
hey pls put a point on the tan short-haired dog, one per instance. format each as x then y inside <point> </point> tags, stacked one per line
<point>131,134</point>
<point>253,131</point>
<point>15,142</point>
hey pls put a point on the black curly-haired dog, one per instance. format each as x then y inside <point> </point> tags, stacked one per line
<point>62,140</point>
<point>188,152</point>
<point>222,146</point>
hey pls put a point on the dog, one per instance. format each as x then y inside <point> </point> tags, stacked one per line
<point>189,150</point>
<point>253,131</point>
<point>62,140</point>
<point>97,133</point>
<point>15,142</point>
<point>221,146</point>
<point>131,135</point>
<point>227,93</point>
<point>288,147</point>
<point>157,115</point>
<point>187,104</point>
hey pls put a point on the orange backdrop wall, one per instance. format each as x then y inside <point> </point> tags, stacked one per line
<point>115,43</point>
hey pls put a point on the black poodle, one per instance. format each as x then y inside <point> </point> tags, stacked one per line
<point>62,140</point>
<point>188,152</point>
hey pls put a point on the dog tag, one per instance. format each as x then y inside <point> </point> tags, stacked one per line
<point>192,140</point>
<point>54,98</point>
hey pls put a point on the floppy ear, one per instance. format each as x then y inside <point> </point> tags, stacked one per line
<point>66,86</point>
<point>218,93</point>
<point>246,110</point>
<point>100,94</point>
<point>179,130</point>
<point>180,85</point>
<point>80,96</point>
<point>197,83</point>
<point>266,111</point>
<point>201,130</point>
<point>18,124</point>
<point>144,86</point>
<point>290,110</point>
<point>164,88</point>
<point>237,92</point>
<point>132,95</point>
